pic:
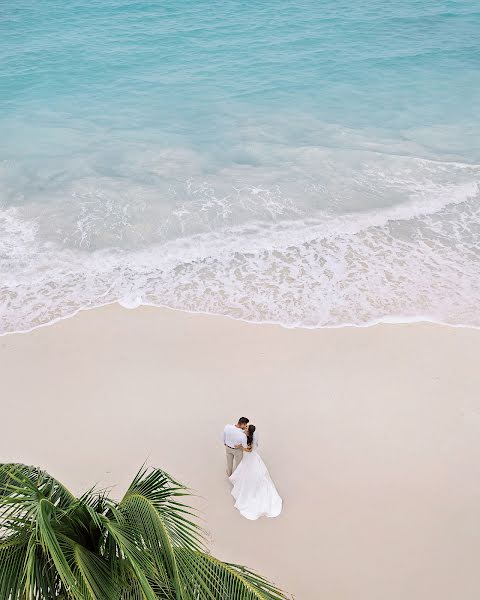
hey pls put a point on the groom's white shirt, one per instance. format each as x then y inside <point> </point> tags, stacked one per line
<point>233,436</point>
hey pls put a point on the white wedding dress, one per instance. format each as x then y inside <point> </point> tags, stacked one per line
<point>253,489</point>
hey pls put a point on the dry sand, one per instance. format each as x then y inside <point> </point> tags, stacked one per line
<point>371,435</point>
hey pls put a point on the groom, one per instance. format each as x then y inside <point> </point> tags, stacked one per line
<point>234,438</point>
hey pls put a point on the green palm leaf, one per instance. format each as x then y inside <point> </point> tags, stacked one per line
<point>13,554</point>
<point>148,546</point>
<point>207,577</point>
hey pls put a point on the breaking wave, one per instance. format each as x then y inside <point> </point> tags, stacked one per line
<point>419,258</point>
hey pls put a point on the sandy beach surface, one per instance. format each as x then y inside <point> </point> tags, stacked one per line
<point>371,435</point>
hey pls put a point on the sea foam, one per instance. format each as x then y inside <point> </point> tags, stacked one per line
<point>421,257</point>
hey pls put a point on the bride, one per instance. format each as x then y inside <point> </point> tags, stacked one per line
<point>253,489</point>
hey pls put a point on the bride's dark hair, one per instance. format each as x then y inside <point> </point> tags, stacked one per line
<point>251,431</point>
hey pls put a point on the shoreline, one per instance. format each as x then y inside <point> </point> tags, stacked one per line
<point>371,435</point>
<point>399,320</point>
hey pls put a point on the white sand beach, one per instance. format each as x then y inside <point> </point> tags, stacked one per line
<point>372,437</point>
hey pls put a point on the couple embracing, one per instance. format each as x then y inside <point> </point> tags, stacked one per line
<point>253,489</point>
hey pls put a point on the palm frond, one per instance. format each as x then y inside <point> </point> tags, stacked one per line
<point>13,554</point>
<point>148,546</point>
<point>41,577</point>
<point>162,523</point>
<point>204,576</point>
<point>93,573</point>
<point>48,486</point>
<point>161,493</point>
<point>139,559</point>
<point>49,541</point>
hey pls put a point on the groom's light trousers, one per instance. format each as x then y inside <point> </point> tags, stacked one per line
<point>233,454</point>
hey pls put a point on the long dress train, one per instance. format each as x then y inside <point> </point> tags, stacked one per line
<point>253,489</point>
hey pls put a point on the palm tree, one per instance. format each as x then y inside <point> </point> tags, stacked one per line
<point>148,546</point>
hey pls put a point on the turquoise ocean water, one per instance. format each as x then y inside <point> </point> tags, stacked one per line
<point>310,162</point>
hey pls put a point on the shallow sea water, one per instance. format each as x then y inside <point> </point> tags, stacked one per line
<point>311,163</point>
